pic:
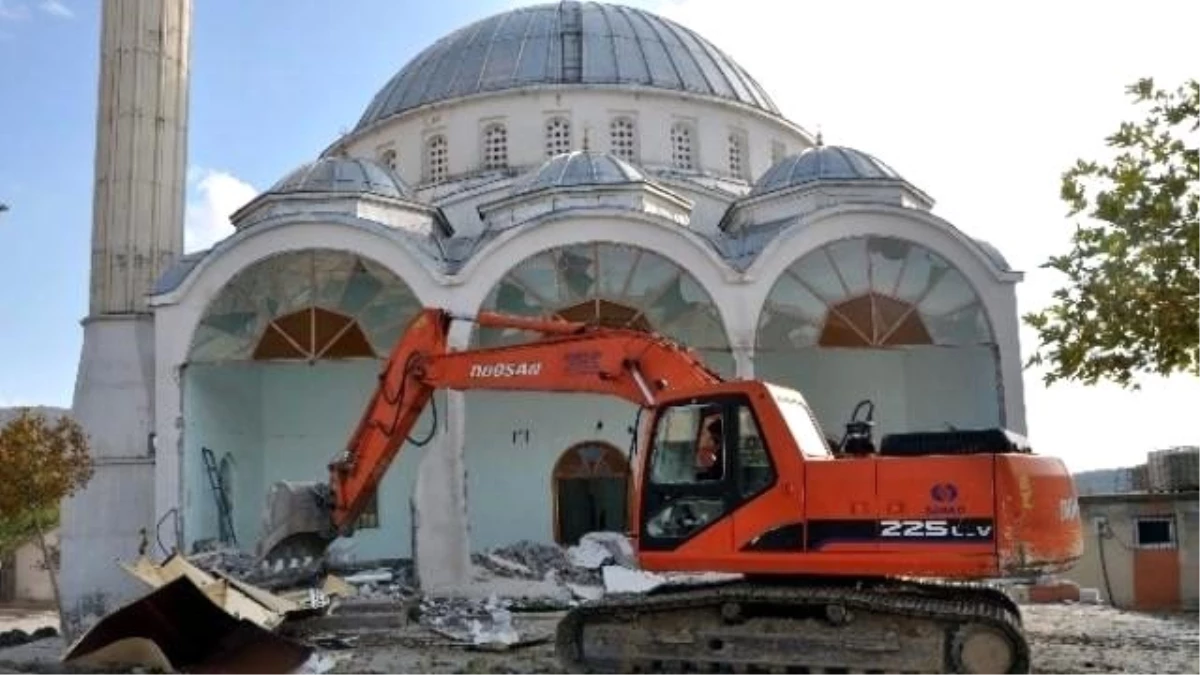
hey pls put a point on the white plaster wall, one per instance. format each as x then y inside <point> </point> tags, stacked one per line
<point>507,505</point>
<point>525,114</point>
<point>223,412</point>
<point>923,388</point>
<point>103,523</point>
<point>286,421</point>
<point>309,413</point>
<point>32,577</point>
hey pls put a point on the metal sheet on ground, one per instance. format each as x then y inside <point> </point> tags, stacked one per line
<point>190,632</point>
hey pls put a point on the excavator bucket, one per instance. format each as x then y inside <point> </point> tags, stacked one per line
<point>297,523</point>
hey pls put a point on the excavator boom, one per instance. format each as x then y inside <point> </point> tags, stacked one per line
<point>303,518</point>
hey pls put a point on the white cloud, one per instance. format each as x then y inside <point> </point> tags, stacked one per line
<point>56,8</point>
<point>213,197</point>
<point>983,106</point>
<point>13,12</point>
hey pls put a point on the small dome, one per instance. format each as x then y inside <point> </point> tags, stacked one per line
<point>344,174</point>
<point>823,162</point>
<point>580,167</point>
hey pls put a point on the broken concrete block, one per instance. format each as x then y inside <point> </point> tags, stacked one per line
<point>619,579</point>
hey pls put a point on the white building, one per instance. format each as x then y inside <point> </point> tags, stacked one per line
<point>580,159</point>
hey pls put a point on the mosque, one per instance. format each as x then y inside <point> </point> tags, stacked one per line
<point>583,160</point>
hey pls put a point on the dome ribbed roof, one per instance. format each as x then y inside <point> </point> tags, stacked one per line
<point>343,174</point>
<point>580,167</point>
<point>566,43</point>
<point>823,162</point>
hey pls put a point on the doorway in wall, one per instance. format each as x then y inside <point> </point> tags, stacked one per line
<point>590,489</point>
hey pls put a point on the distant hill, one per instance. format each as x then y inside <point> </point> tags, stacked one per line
<point>52,413</point>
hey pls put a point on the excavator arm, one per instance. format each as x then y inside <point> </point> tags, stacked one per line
<point>562,356</point>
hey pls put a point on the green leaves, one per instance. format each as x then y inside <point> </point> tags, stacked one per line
<point>1132,298</point>
<point>41,462</point>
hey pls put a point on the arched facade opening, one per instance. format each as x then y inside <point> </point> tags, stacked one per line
<point>589,491</point>
<point>283,360</point>
<point>611,284</point>
<point>601,283</point>
<point>885,319</point>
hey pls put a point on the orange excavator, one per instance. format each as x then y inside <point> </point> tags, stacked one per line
<point>850,558</point>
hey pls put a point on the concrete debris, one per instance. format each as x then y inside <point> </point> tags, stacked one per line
<point>596,548</point>
<point>246,567</point>
<point>470,622</point>
<point>371,577</point>
<point>16,636</point>
<point>531,560</point>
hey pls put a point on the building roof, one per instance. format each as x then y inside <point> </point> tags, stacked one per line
<point>567,43</point>
<point>823,162</point>
<point>343,174</point>
<point>579,167</point>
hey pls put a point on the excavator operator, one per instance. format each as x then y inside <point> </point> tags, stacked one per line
<point>710,450</point>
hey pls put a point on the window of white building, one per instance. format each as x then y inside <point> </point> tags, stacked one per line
<point>737,154</point>
<point>622,139</point>
<point>683,155</point>
<point>558,136</point>
<point>1154,532</point>
<point>388,159</point>
<point>495,146</point>
<point>436,160</point>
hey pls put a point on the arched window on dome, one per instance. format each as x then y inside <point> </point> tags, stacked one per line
<point>623,139</point>
<point>495,146</point>
<point>436,159</point>
<point>738,154</point>
<point>388,158</point>
<point>558,136</point>
<point>683,147</point>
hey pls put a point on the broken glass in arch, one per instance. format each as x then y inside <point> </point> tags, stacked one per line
<point>605,283</point>
<point>871,292</point>
<point>377,302</point>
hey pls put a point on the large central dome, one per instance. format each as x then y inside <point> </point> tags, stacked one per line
<point>586,43</point>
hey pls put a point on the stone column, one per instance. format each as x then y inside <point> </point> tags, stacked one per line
<point>441,542</point>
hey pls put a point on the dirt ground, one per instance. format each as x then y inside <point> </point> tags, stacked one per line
<point>1065,639</point>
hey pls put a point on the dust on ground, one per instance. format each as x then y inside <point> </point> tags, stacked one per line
<point>1067,638</point>
<point>504,620</point>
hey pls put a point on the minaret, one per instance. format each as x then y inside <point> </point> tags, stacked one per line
<point>137,231</point>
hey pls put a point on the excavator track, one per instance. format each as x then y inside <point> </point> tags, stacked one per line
<point>813,627</point>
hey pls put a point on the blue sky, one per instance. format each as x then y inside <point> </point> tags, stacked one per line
<point>981,105</point>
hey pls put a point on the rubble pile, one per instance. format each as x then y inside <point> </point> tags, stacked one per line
<point>246,567</point>
<point>470,621</point>
<point>531,560</point>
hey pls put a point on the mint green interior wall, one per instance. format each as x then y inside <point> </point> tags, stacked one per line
<point>221,411</point>
<point>286,421</point>
<point>309,412</point>
<point>509,478</point>
<point>918,388</point>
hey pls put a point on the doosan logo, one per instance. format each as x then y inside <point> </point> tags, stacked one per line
<point>506,369</point>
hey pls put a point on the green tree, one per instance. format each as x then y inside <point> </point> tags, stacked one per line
<point>1130,303</point>
<point>41,463</point>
